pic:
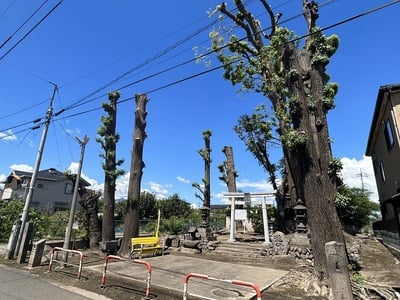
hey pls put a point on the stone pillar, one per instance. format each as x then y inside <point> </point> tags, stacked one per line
<point>35,257</point>
<point>338,271</point>
<point>12,241</point>
<point>26,239</point>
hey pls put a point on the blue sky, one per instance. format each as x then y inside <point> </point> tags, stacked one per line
<point>89,48</point>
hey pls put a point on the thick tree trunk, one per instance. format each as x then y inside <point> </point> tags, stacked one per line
<point>131,224</point>
<point>294,80</point>
<point>108,228</point>
<point>88,199</point>
<point>231,173</point>
<point>207,176</point>
<point>310,164</point>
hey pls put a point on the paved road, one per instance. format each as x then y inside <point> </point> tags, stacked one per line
<point>20,285</point>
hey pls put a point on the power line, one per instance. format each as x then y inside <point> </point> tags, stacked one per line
<point>22,25</point>
<point>221,66</point>
<point>7,8</point>
<point>87,99</point>
<point>194,75</point>
<point>30,31</point>
<point>146,62</point>
<point>165,51</point>
<point>22,110</point>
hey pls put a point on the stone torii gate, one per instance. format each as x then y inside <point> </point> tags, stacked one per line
<point>239,198</point>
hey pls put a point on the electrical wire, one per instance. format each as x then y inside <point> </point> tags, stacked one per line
<point>7,8</point>
<point>30,31</point>
<point>201,73</point>
<point>87,99</point>
<point>146,62</point>
<point>221,66</point>
<point>22,25</point>
<point>22,110</point>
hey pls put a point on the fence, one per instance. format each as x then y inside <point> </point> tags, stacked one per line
<point>147,264</point>
<point>201,276</point>
<point>55,249</point>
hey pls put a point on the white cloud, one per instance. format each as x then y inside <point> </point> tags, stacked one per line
<point>351,173</point>
<point>22,167</point>
<point>121,191</point>
<point>2,179</point>
<point>161,190</point>
<point>352,170</point>
<point>181,179</point>
<point>94,185</point>
<point>247,186</point>
<point>254,186</point>
<point>360,174</point>
<point>8,136</point>
<point>73,167</point>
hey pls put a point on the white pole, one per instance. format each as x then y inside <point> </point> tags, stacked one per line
<point>265,221</point>
<point>32,183</point>
<point>232,229</point>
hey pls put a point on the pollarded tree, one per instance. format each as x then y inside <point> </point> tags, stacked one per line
<point>131,223</point>
<point>205,190</point>
<point>295,81</point>
<point>227,170</point>
<point>108,139</point>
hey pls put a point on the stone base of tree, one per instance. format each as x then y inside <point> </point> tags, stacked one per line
<point>109,246</point>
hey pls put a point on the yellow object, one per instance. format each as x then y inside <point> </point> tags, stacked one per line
<point>145,245</point>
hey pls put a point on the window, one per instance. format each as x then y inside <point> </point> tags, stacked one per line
<point>61,206</point>
<point>383,177</point>
<point>389,135</point>
<point>68,188</point>
<point>43,186</point>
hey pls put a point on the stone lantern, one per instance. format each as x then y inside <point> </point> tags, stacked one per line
<point>300,216</point>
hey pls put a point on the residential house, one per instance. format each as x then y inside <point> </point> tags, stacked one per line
<point>53,190</point>
<point>384,149</point>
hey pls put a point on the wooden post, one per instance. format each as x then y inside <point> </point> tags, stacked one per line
<point>338,272</point>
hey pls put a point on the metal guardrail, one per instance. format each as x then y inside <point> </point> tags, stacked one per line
<point>201,276</point>
<point>138,261</point>
<point>52,259</point>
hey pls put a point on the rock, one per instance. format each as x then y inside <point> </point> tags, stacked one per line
<point>280,243</point>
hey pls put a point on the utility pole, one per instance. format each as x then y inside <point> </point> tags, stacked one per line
<point>32,182</point>
<point>362,180</point>
<point>75,195</point>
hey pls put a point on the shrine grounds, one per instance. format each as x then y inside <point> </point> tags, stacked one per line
<point>278,278</point>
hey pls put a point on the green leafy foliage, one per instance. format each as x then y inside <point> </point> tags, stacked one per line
<point>294,139</point>
<point>257,132</point>
<point>254,213</point>
<point>354,207</point>
<point>322,47</point>
<point>45,226</point>
<point>174,206</point>
<point>9,213</point>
